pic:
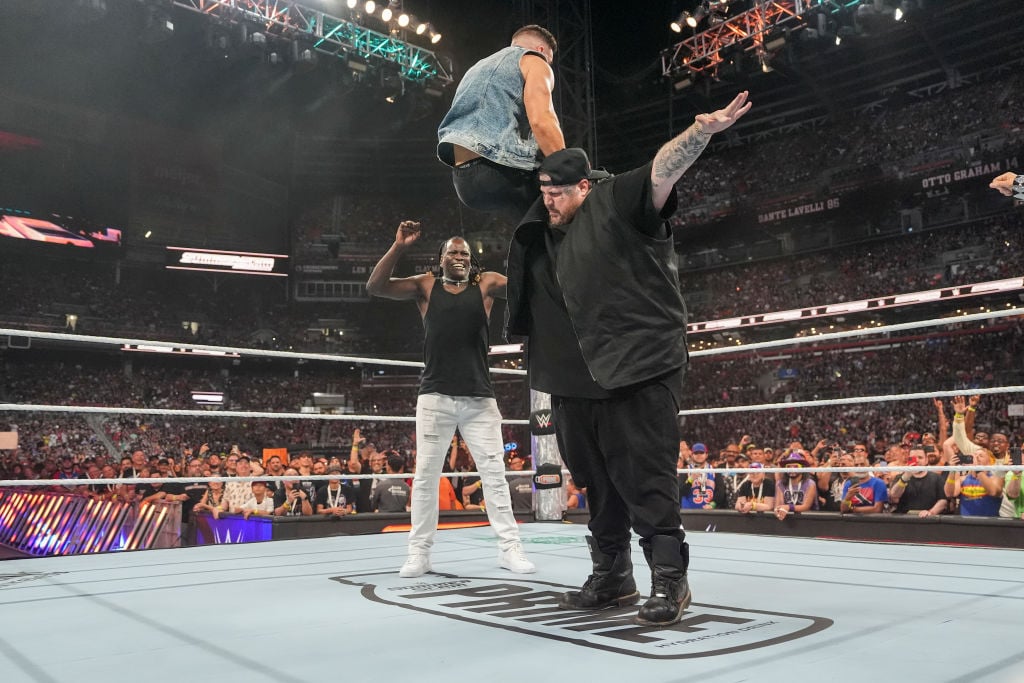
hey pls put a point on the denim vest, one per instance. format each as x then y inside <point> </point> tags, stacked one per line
<point>488,115</point>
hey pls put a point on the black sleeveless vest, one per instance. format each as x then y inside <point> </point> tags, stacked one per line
<point>455,344</point>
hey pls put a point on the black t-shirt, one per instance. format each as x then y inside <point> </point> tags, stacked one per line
<point>173,488</point>
<point>921,493</point>
<point>147,490</point>
<point>329,498</point>
<point>281,497</point>
<point>521,490</point>
<point>766,489</point>
<point>556,363</point>
<point>833,495</point>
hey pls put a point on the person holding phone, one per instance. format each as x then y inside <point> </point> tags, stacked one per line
<point>979,491</point>
<point>918,491</point>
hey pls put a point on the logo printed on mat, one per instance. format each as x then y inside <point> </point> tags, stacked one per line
<point>8,580</point>
<point>531,607</point>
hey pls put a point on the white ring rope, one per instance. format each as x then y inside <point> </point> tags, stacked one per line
<point>112,410</point>
<point>186,412</point>
<point>940,469</point>
<point>1015,389</point>
<point>790,341</point>
<point>62,336</point>
<point>846,334</point>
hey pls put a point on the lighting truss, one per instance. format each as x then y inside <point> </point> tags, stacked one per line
<point>702,53</point>
<point>326,33</point>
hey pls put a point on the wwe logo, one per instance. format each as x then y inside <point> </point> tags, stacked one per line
<point>541,422</point>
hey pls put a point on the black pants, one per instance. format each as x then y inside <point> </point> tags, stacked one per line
<point>624,451</point>
<point>483,185</point>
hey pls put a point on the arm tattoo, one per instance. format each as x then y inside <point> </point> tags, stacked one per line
<point>679,153</point>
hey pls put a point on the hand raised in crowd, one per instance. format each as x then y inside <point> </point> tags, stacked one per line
<point>408,232</point>
<point>974,401</point>
<point>959,404</point>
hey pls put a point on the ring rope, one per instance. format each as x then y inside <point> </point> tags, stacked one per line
<point>940,469</point>
<point>845,334</point>
<point>189,412</point>
<point>62,336</point>
<point>1014,389</point>
<point>181,412</point>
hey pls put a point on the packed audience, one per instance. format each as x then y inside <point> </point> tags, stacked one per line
<point>963,431</point>
<point>909,263</point>
<point>162,305</point>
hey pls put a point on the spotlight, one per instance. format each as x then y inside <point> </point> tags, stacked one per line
<point>421,28</point>
<point>677,24</point>
<point>403,19</point>
<point>697,16</point>
<point>435,37</point>
<point>370,6</point>
<point>352,3</point>
<point>839,40</point>
<point>898,15</point>
<point>385,14</point>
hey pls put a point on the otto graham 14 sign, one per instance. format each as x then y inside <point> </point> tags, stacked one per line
<point>531,607</point>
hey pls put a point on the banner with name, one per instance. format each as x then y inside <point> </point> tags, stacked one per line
<point>798,210</point>
<point>953,176</point>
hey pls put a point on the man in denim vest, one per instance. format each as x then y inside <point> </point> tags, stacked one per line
<point>500,123</point>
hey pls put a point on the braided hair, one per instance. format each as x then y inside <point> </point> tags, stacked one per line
<point>475,269</point>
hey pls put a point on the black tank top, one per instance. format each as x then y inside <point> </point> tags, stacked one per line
<point>455,344</point>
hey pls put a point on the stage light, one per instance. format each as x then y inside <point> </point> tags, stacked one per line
<point>421,28</point>
<point>370,6</point>
<point>352,3</point>
<point>677,25</point>
<point>697,16</point>
<point>385,14</point>
<point>403,19</point>
<point>435,37</point>
<point>898,15</point>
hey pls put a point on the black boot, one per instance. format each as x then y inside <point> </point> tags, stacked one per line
<point>611,584</point>
<point>670,591</point>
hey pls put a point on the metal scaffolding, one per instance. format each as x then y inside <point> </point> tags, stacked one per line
<point>327,34</point>
<point>570,22</point>
<point>703,52</point>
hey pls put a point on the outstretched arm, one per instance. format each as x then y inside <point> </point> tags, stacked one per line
<point>381,283</point>
<point>679,153</point>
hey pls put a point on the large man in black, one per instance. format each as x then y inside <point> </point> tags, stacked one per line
<point>592,281</point>
<point>455,390</point>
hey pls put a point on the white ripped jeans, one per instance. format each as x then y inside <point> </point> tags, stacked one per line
<point>479,422</point>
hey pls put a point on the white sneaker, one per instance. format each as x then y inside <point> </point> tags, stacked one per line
<point>514,559</point>
<point>417,564</point>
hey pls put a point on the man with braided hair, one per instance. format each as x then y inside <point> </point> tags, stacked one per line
<point>455,389</point>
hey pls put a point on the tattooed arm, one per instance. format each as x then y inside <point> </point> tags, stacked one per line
<point>679,153</point>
